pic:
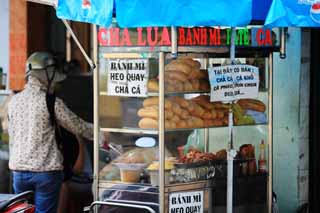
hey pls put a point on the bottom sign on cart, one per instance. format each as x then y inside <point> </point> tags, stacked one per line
<point>186,202</point>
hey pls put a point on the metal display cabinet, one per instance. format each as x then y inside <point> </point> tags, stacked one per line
<point>116,116</point>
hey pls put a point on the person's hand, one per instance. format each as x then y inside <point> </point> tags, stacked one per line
<point>103,139</point>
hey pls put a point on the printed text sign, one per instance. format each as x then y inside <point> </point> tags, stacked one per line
<point>232,82</point>
<point>186,202</point>
<point>127,77</point>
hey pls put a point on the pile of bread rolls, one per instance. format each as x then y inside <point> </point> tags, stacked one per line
<point>182,75</point>
<point>182,113</point>
<point>194,113</point>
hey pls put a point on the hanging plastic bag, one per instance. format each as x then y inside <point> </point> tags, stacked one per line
<point>194,142</point>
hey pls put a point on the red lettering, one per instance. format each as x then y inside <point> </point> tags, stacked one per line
<point>259,37</point>
<point>189,37</point>
<point>141,42</point>
<point>149,35</point>
<point>268,37</point>
<point>165,38</point>
<point>196,35</point>
<point>219,36</point>
<point>203,36</point>
<point>182,38</point>
<point>114,36</point>
<point>213,36</point>
<point>125,40</point>
<point>102,37</point>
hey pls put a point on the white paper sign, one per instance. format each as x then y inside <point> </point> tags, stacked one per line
<point>128,77</point>
<point>186,202</point>
<point>232,82</point>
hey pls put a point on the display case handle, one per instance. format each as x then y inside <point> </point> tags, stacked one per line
<point>90,208</point>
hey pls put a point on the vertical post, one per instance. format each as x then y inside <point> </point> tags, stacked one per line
<point>95,112</point>
<point>283,35</point>
<point>270,133</point>
<point>206,130</point>
<point>68,45</point>
<point>231,151</point>
<point>161,134</point>
<point>174,42</point>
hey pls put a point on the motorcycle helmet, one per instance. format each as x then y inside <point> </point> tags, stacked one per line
<point>43,66</point>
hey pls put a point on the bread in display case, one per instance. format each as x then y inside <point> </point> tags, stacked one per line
<point>140,115</point>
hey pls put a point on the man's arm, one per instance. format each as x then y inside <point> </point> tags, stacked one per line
<point>69,120</point>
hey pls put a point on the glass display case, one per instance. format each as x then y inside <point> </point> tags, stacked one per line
<point>167,142</point>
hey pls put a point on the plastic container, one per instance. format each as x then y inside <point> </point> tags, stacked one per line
<point>130,176</point>
<point>154,177</point>
<point>130,172</point>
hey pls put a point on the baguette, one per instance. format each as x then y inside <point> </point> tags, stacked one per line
<point>187,86</point>
<point>149,112</point>
<point>176,75</point>
<point>154,101</point>
<point>252,104</point>
<point>198,74</point>
<point>148,123</point>
<point>195,84</point>
<point>189,61</point>
<point>178,86</point>
<point>179,67</point>
<point>176,109</point>
<point>204,101</point>
<point>184,114</point>
<point>198,110</point>
<point>181,101</point>
<point>175,118</point>
<point>182,124</point>
<point>153,85</point>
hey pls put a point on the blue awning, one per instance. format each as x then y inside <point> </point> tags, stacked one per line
<point>260,9</point>
<point>295,13</point>
<point>90,11</point>
<point>143,13</point>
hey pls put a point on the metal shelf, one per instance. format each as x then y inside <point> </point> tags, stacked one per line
<point>133,130</point>
<point>150,94</point>
<point>104,184</point>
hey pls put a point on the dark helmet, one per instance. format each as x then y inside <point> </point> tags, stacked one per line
<point>42,65</point>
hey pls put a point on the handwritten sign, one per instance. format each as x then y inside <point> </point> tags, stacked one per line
<point>128,77</point>
<point>232,82</point>
<point>186,202</point>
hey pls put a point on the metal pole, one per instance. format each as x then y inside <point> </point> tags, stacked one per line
<point>231,151</point>
<point>283,36</point>
<point>270,133</point>
<point>161,133</point>
<point>68,46</point>
<point>95,113</point>
<point>92,65</point>
<point>174,42</point>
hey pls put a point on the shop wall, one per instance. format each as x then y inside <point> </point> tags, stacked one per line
<point>18,43</point>
<point>287,120</point>
<point>286,123</point>
<point>303,189</point>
